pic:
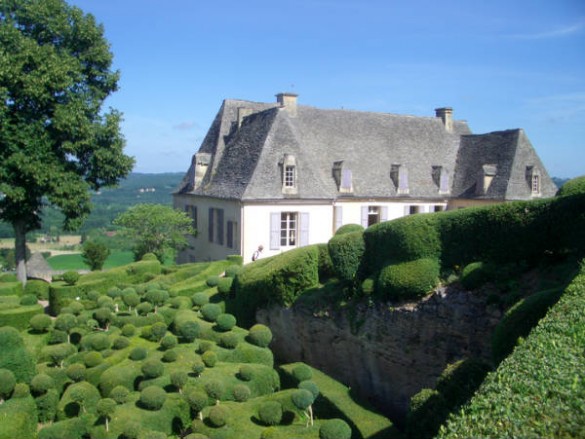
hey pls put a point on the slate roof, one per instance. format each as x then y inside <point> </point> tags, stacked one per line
<point>245,161</point>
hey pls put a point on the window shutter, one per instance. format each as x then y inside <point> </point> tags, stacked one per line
<point>338,212</point>
<point>220,226</point>
<point>210,225</point>
<point>365,217</point>
<point>384,213</point>
<point>275,231</point>
<point>304,229</point>
<point>406,209</point>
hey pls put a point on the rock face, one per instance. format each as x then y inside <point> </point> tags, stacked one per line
<point>385,354</point>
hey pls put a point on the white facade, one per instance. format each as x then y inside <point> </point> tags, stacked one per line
<point>228,227</point>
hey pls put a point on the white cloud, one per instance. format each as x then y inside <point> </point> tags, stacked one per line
<point>553,33</point>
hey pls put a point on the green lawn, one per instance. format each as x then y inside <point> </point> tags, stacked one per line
<point>75,262</point>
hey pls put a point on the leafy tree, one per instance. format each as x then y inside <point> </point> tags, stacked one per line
<point>7,383</point>
<point>95,254</point>
<point>106,408</point>
<point>197,400</point>
<point>303,399</point>
<point>155,228</point>
<point>56,142</point>
<point>179,379</point>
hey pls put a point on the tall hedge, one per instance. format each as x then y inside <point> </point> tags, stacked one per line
<point>407,280</point>
<point>346,251</point>
<point>15,356</point>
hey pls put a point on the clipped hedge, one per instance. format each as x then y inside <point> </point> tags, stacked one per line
<point>346,251</point>
<point>10,288</point>
<point>575,186</point>
<point>407,280</point>
<point>522,398</point>
<point>19,317</point>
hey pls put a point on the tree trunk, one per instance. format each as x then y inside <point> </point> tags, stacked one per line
<point>20,250</point>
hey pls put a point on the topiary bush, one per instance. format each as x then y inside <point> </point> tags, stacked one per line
<point>76,372</point>
<point>225,321</point>
<point>302,372</point>
<point>209,358</point>
<point>246,372</point>
<point>212,281</point>
<point>334,429</point>
<point>41,384</point>
<point>168,342</point>
<point>15,356</point>
<point>211,311</point>
<point>218,416</point>
<point>215,389</point>
<point>28,300</point>
<point>270,413</point>
<point>7,383</point>
<point>138,353</point>
<point>119,394</point>
<point>241,392</point>
<point>40,323</point>
<point>575,186</point>
<point>153,397</point>
<point>224,285</point>
<point>70,277</point>
<point>121,343</point>
<point>39,288</point>
<point>200,299</point>
<point>233,270</point>
<point>346,251</point>
<point>93,359</point>
<point>152,368</point>
<point>229,340</point>
<point>260,335</point>
<point>407,280</point>
<point>170,356</point>
<point>475,274</point>
<point>349,228</point>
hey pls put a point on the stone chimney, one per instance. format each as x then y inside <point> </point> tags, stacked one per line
<point>446,115</point>
<point>288,101</point>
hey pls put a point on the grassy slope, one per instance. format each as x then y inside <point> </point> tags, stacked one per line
<point>75,261</point>
<point>539,390</point>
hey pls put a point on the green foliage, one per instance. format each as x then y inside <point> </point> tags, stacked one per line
<point>15,356</point>
<point>93,359</point>
<point>196,399</point>
<point>522,398</point>
<point>40,322</point>
<point>119,394</point>
<point>7,383</point>
<point>335,429</point>
<point>47,405</point>
<point>138,353</point>
<point>346,251</point>
<point>349,228</point>
<point>224,285</point>
<point>212,281</point>
<point>260,335</point>
<point>241,392</point>
<point>39,288</point>
<point>215,389</point>
<point>28,299</point>
<point>152,368</point>
<point>233,270</point>
<point>76,372</point>
<point>211,311</point>
<point>70,277</point>
<point>302,399</point>
<point>225,321</point>
<point>519,320</point>
<point>95,254</point>
<point>270,413</point>
<point>219,416</point>
<point>209,358</point>
<point>200,299</point>
<point>302,372</point>
<point>179,378</point>
<point>120,343</point>
<point>155,228</point>
<point>41,384</point>
<point>475,274</point>
<point>427,410</point>
<point>575,186</point>
<point>229,340</point>
<point>407,280</point>
<point>153,397</point>
<point>19,317</point>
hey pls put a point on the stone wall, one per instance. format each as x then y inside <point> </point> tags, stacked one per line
<point>385,354</point>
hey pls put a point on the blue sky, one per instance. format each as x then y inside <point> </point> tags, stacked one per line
<point>500,64</point>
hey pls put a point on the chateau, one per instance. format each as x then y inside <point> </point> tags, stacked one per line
<point>284,175</point>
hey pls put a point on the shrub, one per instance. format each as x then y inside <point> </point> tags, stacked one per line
<point>229,340</point>
<point>128,330</point>
<point>168,342</point>
<point>41,384</point>
<point>302,399</point>
<point>57,337</point>
<point>28,300</point>
<point>325,267</point>
<point>225,322</point>
<point>57,353</point>
<point>76,372</point>
<point>334,429</point>
<point>408,280</point>
<point>310,386</point>
<point>119,394</point>
<point>200,299</point>
<point>302,372</point>
<point>212,281</point>
<point>7,383</point>
<point>21,390</point>
<point>149,257</point>
<point>121,343</point>
<point>152,368</point>
<point>224,285</point>
<point>233,270</point>
<point>138,353</point>
<point>260,335</point>
<point>196,399</point>
<point>93,359</point>
<point>70,277</point>
<point>47,405</point>
<point>211,311</point>
<point>218,415</point>
<point>209,358</point>
<point>459,381</point>
<point>97,342</point>
<point>198,367</point>
<point>170,356</point>
<point>15,356</point>
<point>179,379</point>
<point>346,251</point>
<point>39,288</point>
<point>246,372</point>
<point>144,308</point>
<point>159,330</point>
<point>475,274</point>
<point>95,254</point>
<point>270,413</point>
<point>188,330</point>
<point>40,322</point>
<point>153,397</point>
<point>214,389</point>
<point>241,392</point>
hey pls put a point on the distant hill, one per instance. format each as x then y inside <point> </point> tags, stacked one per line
<point>110,202</point>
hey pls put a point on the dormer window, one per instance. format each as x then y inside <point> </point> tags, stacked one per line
<point>289,174</point>
<point>488,172</point>
<point>441,179</point>
<point>399,176</point>
<point>533,180</point>
<point>201,161</point>
<point>343,177</point>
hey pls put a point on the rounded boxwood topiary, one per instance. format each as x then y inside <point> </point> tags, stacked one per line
<point>246,372</point>
<point>224,285</point>
<point>188,330</point>
<point>233,270</point>
<point>21,390</point>
<point>311,386</point>
<point>153,397</point>
<point>152,368</point>
<point>346,251</point>
<point>76,372</point>
<point>121,343</point>
<point>302,372</point>
<point>408,280</point>
<point>170,356</point>
<point>349,228</point>
<point>212,281</point>
<point>209,358</point>
<point>475,274</point>
<point>138,353</point>
<point>120,394</point>
<point>40,322</point>
<point>260,335</point>
<point>225,321</point>
<point>169,341</point>
<point>334,429</point>
<point>99,342</point>
<point>200,299</point>
<point>198,367</point>
<point>70,277</point>
<point>218,415</point>
<point>128,330</point>
<point>270,413</point>
<point>241,392</point>
<point>93,359</point>
<point>210,311</point>
<point>41,384</point>
<point>215,389</point>
<point>149,257</point>
<point>7,383</point>
<point>229,340</point>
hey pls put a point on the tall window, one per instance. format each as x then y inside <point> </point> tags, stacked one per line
<point>373,215</point>
<point>535,184</point>
<point>232,234</point>
<point>288,229</point>
<point>215,224</point>
<point>289,176</point>
<point>191,211</point>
